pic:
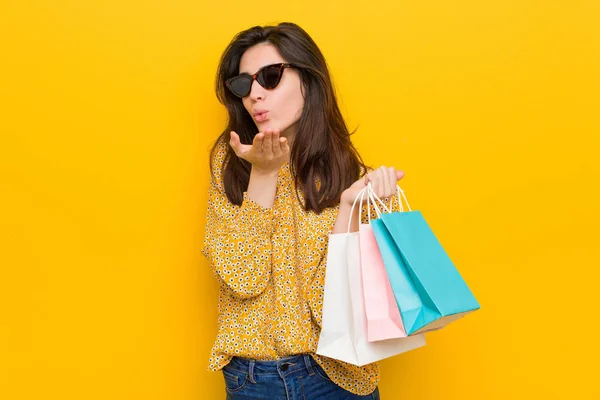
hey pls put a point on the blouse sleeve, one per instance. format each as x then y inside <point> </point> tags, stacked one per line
<point>237,241</point>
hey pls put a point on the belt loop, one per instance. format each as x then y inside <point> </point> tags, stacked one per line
<point>251,371</point>
<point>307,361</point>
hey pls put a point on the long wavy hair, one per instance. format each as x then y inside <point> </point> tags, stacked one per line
<point>323,160</point>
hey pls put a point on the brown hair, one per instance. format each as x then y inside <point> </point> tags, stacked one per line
<point>323,160</point>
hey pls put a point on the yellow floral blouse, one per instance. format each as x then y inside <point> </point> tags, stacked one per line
<point>270,264</point>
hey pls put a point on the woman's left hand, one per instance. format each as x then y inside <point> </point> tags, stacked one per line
<point>383,182</point>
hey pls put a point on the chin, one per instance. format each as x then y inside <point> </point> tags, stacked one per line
<point>268,125</point>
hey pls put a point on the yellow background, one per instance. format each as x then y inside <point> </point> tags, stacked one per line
<point>107,114</point>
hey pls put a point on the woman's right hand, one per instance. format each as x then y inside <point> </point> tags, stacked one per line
<point>267,153</point>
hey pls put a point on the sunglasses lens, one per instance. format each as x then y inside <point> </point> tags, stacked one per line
<point>269,77</point>
<point>240,86</point>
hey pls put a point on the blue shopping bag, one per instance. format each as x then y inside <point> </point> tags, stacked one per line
<point>429,290</point>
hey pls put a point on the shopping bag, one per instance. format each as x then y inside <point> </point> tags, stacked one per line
<point>344,327</point>
<point>381,309</point>
<point>429,290</point>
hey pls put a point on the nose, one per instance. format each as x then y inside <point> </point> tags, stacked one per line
<point>257,92</point>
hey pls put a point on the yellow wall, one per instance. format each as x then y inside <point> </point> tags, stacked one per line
<point>107,112</point>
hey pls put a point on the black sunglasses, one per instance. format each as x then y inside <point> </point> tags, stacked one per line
<point>268,77</point>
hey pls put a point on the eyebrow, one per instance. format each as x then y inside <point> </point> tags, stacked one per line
<point>270,63</point>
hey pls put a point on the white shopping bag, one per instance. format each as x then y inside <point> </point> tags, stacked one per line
<point>344,324</point>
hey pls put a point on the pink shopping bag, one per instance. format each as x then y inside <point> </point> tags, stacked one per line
<point>383,316</point>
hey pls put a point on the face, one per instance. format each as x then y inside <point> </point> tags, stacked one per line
<point>284,103</point>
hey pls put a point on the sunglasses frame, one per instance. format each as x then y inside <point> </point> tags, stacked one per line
<point>258,77</point>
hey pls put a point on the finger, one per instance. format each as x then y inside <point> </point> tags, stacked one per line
<point>369,179</point>
<point>275,143</point>
<point>375,181</point>
<point>234,141</point>
<point>236,144</point>
<point>399,175</point>
<point>285,146</point>
<point>385,182</point>
<point>268,142</point>
<point>391,174</point>
<point>258,141</point>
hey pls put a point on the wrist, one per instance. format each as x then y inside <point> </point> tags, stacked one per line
<point>345,200</point>
<point>264,173</point>
<point>346,214</point>
<point>262,187</point>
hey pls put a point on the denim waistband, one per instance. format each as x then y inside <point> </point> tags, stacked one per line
<point>282,367</point>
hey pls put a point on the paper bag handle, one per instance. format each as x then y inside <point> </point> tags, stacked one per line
<point>376,199</point>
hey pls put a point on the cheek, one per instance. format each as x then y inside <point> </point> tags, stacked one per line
<point>246,102</point>
<point>293,105</point>
<point>298,107</point>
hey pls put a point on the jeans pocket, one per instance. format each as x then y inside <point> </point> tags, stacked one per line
<point>322,373</point>
<point>234,380</point>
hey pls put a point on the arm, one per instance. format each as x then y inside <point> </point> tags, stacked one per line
<point>238,242</point>
<point>238,238</point>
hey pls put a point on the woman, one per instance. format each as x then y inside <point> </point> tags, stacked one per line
<point>284,176</point>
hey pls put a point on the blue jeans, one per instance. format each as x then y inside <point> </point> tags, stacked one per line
<point>291,378</point>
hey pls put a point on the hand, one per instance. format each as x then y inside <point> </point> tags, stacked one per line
<point>383,182</point>
<point>267,153</point>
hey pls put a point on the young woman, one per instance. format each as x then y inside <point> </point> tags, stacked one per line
<point>284,176</point>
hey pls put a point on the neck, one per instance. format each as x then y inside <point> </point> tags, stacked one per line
<point>289,134</point>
